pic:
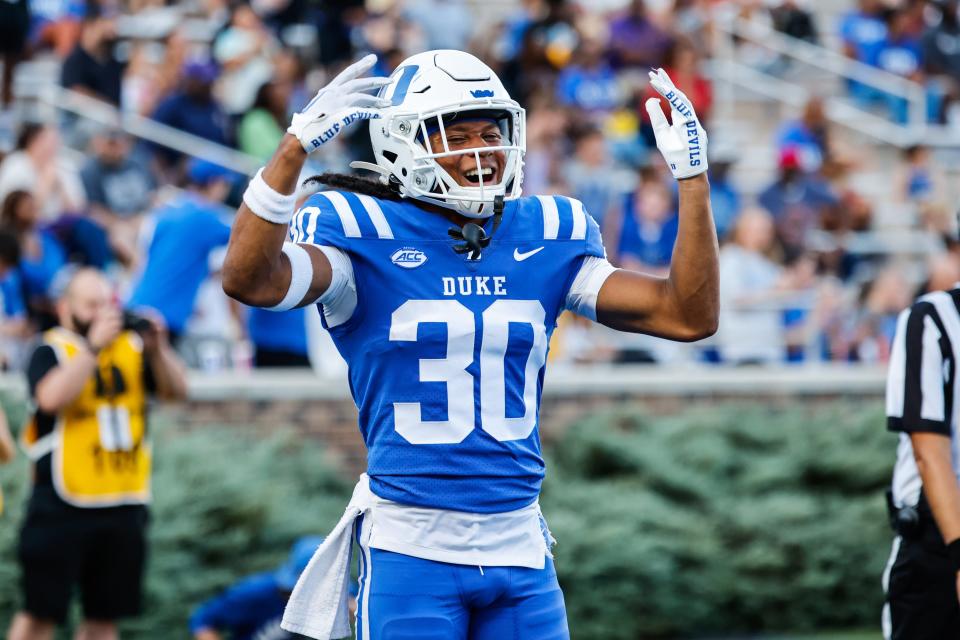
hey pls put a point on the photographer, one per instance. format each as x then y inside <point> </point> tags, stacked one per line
<point>88,439</point>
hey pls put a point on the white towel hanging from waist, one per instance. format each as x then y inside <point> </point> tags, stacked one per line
<point>319,607</point>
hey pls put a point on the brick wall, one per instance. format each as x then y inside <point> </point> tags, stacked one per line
<point>322,408</point>
<point>333,417</point>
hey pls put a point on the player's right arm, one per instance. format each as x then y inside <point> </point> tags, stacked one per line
<point>256,271</point>
<point>260,268</point>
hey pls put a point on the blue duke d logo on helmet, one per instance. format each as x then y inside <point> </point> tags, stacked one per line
<point>408,257</point>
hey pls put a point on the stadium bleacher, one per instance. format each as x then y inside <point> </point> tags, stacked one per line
<point>852,191</point>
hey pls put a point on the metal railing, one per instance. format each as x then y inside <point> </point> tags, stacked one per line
<point>59,99</point>
<point>735,76</point>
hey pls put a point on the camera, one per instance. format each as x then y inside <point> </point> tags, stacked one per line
<point>133,321</point>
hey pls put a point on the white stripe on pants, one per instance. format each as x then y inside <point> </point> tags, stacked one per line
<point>366,572</point>
<point>885,621</point>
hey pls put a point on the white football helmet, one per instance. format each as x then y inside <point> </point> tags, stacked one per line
<point>431,90</point>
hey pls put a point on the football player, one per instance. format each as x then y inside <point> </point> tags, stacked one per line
<point>441,286</point>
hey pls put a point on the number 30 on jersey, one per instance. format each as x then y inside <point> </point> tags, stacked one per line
<point>461,335</point>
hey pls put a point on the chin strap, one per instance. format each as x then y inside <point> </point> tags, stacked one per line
<point>475,239</point>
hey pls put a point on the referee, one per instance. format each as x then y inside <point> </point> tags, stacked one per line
<point>922,577</point>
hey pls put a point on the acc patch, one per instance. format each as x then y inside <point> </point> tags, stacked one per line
<point>408,258</point>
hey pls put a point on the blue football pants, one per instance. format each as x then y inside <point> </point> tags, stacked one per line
<point>407,598</point>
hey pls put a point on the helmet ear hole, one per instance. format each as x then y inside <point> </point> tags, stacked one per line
<point>403,171</point>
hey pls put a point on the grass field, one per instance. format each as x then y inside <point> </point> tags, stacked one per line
<point>824,635</point>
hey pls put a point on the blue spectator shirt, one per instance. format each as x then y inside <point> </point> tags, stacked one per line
<point>11,288</point>
<point>920,184</point>
<point>206,120</point>
<point>38,272</point>
<point>185,231</point>
<point>865,33</point>
<point>250,609</point>
<point>902,56</point>
<point>810,146</point>
<point>278,331</point>
<point>588,89</point>
<point>44,12</point>
<point>807,192</point>
<point>514,31</point>
<point>650,243</point>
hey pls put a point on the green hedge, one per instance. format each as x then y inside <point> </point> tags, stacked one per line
<point>719,520</point>
<point>225,505</point>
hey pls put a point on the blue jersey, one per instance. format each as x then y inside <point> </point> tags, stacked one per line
<point>446,355</point>
<point>187,229</point>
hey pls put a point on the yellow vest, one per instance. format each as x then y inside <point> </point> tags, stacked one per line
<point>101,455</point>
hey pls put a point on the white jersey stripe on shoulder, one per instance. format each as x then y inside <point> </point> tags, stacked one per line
<point>579,220</point>
<point>376,216</point>
<point>306,229</point>
<point>349,221</point>
<point>551,217</point>
<point>947,310</point>
<point>294,230</point>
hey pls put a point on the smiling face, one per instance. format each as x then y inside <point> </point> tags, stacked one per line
<point>475,134</point>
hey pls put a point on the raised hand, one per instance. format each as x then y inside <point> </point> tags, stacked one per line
<point>342,102</point>
<point>683,142</point>
<point>105,328</point>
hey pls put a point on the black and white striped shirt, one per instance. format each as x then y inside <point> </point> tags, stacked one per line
<point>922,383</point>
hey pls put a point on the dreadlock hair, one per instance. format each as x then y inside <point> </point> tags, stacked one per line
<point>356,184</point>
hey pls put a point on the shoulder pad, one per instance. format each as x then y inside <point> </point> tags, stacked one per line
<point>331,216</point>
<point>563,218</point>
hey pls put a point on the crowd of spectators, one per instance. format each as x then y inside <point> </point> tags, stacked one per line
<point>918,40</point>
<point>232,73</point>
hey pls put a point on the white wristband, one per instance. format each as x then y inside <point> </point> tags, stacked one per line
<point>267,203</point>
<point>301,275</point>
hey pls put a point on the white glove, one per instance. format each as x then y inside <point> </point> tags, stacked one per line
<point>339,104</point>
<point>683,143</point>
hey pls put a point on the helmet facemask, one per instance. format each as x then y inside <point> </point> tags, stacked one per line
<point>430,182</point>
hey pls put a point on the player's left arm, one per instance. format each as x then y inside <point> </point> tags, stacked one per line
<point>684,305</point>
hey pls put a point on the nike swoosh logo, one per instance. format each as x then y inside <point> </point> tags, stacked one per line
<point>520,257</point>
